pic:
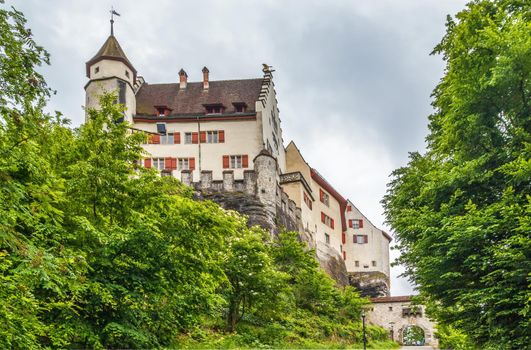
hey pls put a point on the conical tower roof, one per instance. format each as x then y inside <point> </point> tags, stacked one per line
<point>111,50</point>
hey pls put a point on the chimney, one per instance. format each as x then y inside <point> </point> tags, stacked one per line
<point>183,79</point>
<point>205,78</point>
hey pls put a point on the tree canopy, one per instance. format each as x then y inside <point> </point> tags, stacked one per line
<point>462,210</point>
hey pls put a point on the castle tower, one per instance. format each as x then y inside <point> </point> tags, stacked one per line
<point>110,70</point>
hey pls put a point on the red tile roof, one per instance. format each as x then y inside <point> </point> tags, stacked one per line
<point>397,299</point>
<point>192,99</point>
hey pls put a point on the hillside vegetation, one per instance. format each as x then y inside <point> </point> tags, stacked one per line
<point>97,252</point>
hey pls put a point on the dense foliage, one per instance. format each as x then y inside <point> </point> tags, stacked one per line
<point>462,210</point>
<point>96,252</point>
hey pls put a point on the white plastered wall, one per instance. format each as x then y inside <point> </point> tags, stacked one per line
<point>377,248</point>
<point>109,73</point>
<point>241,137</point>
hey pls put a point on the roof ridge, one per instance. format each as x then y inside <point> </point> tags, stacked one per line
<point>201,82</point>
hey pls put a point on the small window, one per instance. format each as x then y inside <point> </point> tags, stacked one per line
<point>158,163</point>
<point>184,164</point>
<point>167,139</point>
<point>361,239</point>
<point>213,109</point>
<point>341,247</point>
<point>127,73</point>
<point>374,263</point>
<point>236,162</point>
<point>357,263</point>
<point>327,238</point>
<point>96,70</point>
<point>308,201</point>
<point>187,137</point>
<point>390,308</point>
<point>121,92</point>
<point>240,109</point>
<point>325,198</point>
<point>212,136</point>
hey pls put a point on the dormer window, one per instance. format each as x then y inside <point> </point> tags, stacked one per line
<point>214,108</point>
<point>240,107</point>
<point>163,111</point>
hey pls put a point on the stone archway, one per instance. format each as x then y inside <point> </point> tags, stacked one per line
<point>412,335</point>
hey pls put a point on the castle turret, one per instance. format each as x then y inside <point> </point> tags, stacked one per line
<point>110,70</point>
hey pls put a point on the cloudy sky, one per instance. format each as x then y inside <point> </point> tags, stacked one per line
<point>353,78</point>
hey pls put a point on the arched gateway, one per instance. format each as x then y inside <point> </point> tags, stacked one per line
<point>407,323</point>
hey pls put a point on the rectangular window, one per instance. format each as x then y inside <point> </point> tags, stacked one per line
<point>374,263</point>
<point>167,139</point>
<point>327,220</point>
<point>214,110</point>
<point>235,162</point>
<point>324,197</point>
<point>212,136</point>
<point>158,163</point>
<point>361,239</point>
<point>355,223</point>
<point>357,263</point>
<point>327,238</point>
<point>121,92</point>
<point>308,201</point>
<point>184,164</point>
<point>187,137</point>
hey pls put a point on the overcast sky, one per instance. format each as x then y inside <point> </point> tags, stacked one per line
<point>353,78</point>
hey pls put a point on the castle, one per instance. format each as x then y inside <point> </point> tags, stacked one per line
<point>224,138</point>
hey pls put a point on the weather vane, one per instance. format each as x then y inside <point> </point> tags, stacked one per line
<point>112,19</point>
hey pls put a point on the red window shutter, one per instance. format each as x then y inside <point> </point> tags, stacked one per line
<point>202,136</point>
<point>167,163</point>
<point>332,223</point>
<point>245,161</point>
<point>365,239</point>
<point>355,239</point>
<point>173,163</point>
<point>361,223</point>
<point>147,163</point>
<point>176,137</point>
<point>194,137</point>
<point>321,195</point>
<point>343,238</point>
<point>225,162</point>
<point>350,223</point>
<point>221,136</point>
<point>323,217</point>
<point>191,163</point>
<point>344,255</point>
<point>154,139</point>
<point>349,208</point>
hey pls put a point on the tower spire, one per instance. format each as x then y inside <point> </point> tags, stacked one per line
<point>112,19</point>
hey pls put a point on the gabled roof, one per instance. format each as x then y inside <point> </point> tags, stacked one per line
<point>192,99</point>
<point>111,50</point>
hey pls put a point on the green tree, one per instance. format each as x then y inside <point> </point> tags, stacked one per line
<point>462,210</point>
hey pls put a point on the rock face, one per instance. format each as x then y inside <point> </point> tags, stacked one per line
<point>332,262</point>
<point>370,284</point>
